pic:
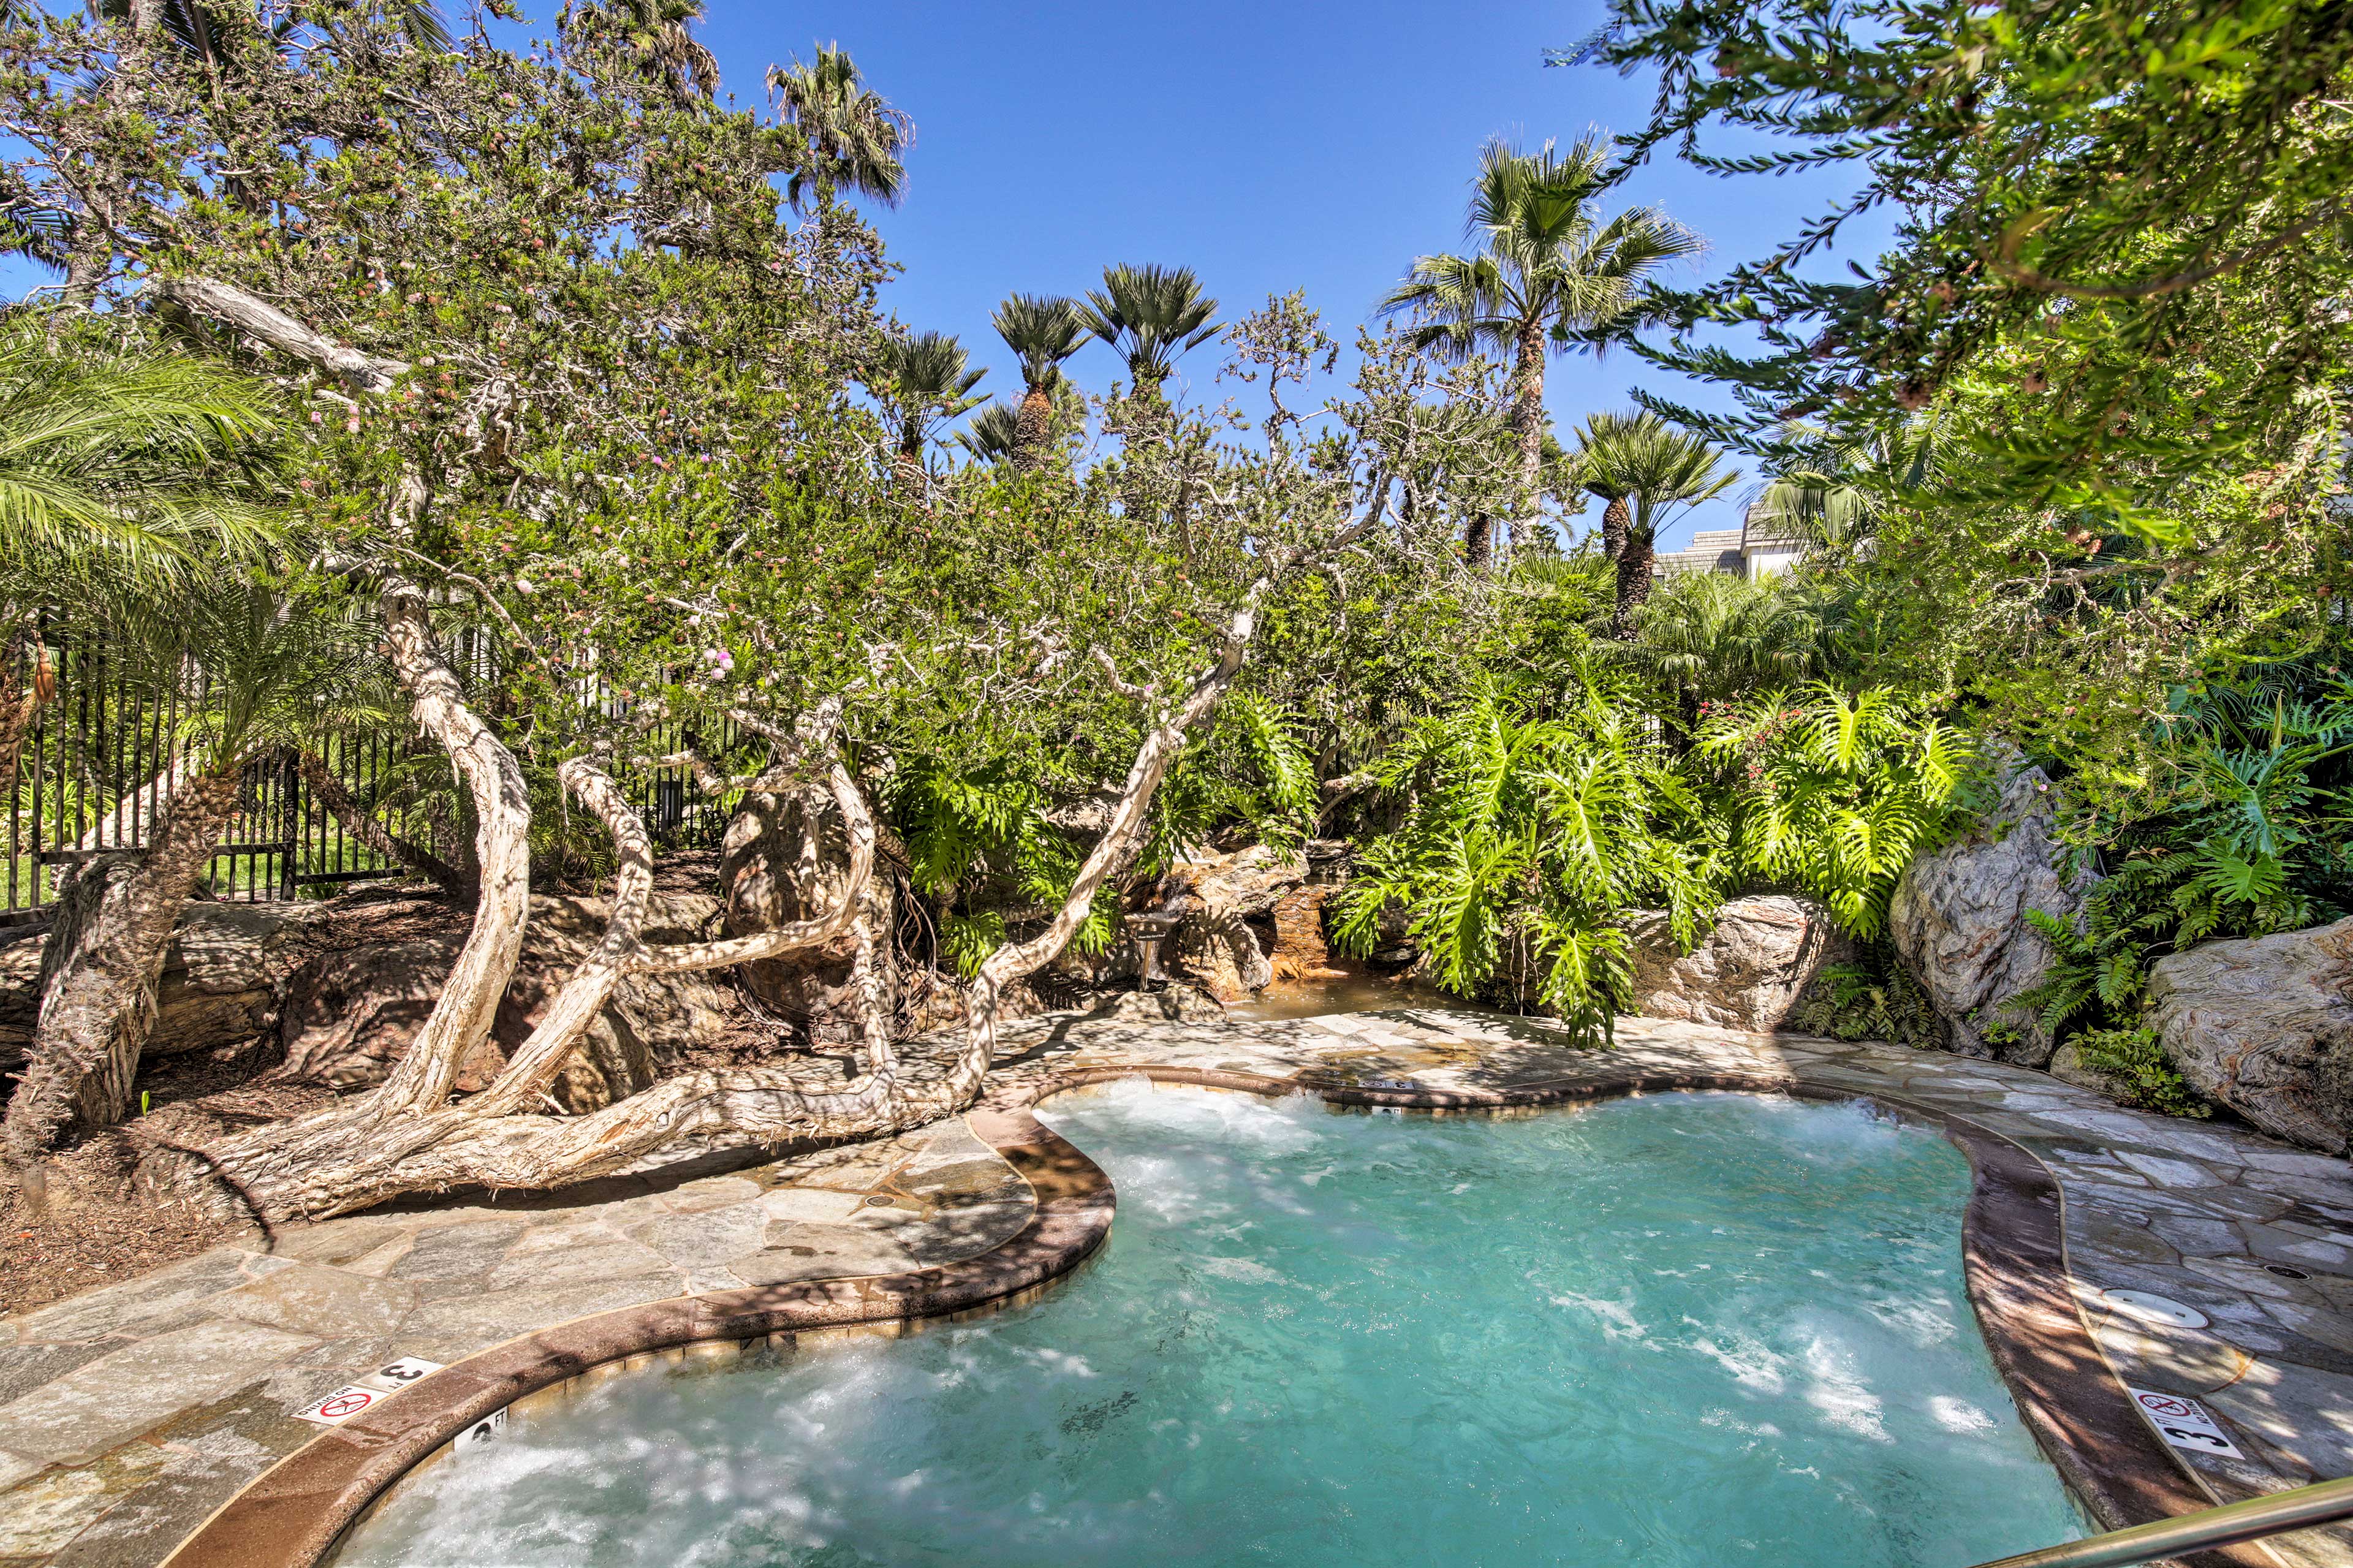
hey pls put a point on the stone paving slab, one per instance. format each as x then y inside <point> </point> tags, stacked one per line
<point>129,1413</point>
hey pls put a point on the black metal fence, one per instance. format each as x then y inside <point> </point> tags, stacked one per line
<point>103,752</point>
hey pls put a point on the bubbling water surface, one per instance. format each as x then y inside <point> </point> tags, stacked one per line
<point>1681,1331</point>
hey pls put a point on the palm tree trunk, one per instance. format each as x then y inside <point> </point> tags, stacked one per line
<point>1616,518</point>
<point>21,696</point>
<point>100,968</point>
<point>1527,421</point>
<point>1145,427</point>
<point>1032,428</point>
<point>908,465</point>
<point>329,792</point>
<point>1479,543</point>
<point>1633,582</point>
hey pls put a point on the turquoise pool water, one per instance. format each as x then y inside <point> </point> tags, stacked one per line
<point>1679,1332</point>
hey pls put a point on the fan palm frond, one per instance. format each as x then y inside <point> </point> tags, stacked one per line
<point>1150,314</point>
<point>855,139</point>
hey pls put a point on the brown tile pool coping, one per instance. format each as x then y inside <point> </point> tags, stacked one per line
<point>2012,1242</point>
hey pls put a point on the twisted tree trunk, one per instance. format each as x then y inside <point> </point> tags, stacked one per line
<point>258,319</point>
<point>100,968</point>
<point>383,1147</point>
<point>782,856</point>
<point>469,998</point>
<point>378,1148</point>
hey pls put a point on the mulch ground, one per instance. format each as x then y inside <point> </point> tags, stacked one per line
<point>97,1225</point>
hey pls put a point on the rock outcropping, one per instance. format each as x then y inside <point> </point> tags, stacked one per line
<point>1226,940</point>
<point>231,966</point>
<point>2264,1026</point>
<point>1958,923</point>
<point>1749,969</point>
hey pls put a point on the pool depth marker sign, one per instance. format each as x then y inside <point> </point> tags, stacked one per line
<point>2183,1422</point>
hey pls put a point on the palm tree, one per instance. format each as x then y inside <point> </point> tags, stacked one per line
<point>113,468</point>
<point>924,384</point>
<point>655,33</point>
<point>1042,332</point>
<point>1547,276</point>
<point>1710,637</point>
<point>994,435</point>
<point>1150,314</point>
<point>1832,492</point>
<point>1658,469</point>
<point>252,670</point>
<point>193,28</point>
<point>855,138</point>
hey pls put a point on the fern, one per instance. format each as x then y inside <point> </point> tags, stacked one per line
<point>2132,1061</point>
<point>969,940</point>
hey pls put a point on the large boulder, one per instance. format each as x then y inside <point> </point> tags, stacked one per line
<point>226,974</point>
<point>1226,937</point>
<point>1755,960</point>
<point>1958,923</point>
<point>2264,1026</point>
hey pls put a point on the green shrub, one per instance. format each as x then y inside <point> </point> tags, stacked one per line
<point>1832,793</point>
<point>1527,834</point>
<point>1872,1000</point>
<point>2132,1061</point>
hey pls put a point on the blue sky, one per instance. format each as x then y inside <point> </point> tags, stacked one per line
<point>1268,144</point>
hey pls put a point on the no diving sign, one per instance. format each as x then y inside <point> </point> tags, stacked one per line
<point>2183,1422</point>
<point>341,1405</point>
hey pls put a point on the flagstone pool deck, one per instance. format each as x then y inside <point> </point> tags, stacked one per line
<point>131,1415</point>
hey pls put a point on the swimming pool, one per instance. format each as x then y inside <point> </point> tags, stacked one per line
<point>1681,1329</point>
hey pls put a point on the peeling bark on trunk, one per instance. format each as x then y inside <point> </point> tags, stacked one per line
<point>784,855</point>
<point>1117,846</point>
<point>260,320</point>
<point>354,1157</point>
<point>329,792</point>
<point>1633,583</point>
<point>502,850</point>
<point>387,1145</point>
<point>540,1058</point>
<point>101,972</point>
